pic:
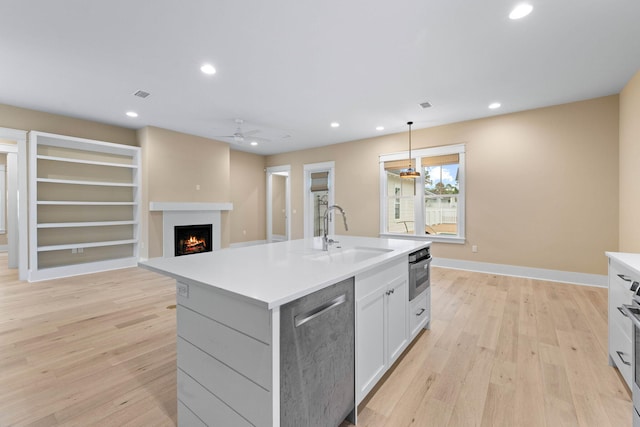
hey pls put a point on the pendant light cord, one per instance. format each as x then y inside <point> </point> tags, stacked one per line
<point>410,164</point>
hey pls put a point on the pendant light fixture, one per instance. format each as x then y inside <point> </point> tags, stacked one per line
<point>410,172</point>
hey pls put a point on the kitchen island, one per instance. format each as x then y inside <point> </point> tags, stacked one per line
<point>229,313</point>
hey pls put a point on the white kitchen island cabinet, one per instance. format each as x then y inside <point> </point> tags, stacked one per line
<point>382,328</point>
<point>624,270</point>
<point>228,315</point>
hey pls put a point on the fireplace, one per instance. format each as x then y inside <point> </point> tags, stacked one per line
<point>193,239</point>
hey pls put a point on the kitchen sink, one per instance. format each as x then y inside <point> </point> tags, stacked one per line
<point>347,255</point>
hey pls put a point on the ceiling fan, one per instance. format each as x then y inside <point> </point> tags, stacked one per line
<point>239,136</point>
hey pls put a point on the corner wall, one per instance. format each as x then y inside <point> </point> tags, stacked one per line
<point>173,165</point>
<point>248,195</point>
<point>629,163</point>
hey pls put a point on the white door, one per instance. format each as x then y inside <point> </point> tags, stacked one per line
<point>318,196</point>
<point>278,203</point>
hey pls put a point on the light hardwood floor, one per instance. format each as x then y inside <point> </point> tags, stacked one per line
<point>502,351</point>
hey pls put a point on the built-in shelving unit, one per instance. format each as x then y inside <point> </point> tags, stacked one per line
<point>84,205</point>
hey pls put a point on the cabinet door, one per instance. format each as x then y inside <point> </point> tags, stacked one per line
<point>397,321</point>
<point>370,336</point>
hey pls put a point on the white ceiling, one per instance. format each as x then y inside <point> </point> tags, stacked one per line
<point>291,67</point>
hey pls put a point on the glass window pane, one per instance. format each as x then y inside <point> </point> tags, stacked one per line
<point>400,203</point>
<point>441,191</point>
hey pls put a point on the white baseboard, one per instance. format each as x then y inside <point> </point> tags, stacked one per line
<point>251,243</point>
<point>527,272</point>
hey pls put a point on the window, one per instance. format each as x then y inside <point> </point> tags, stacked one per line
<point>434,201</point>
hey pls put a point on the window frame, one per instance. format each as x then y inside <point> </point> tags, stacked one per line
<point>419,199</point>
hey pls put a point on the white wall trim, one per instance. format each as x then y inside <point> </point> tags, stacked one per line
<point>526,272</point>
<point>17,214</point>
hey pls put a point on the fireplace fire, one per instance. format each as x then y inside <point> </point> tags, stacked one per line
<point>193,239</point>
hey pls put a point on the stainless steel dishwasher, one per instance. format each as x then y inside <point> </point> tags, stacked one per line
<point>317,358</point>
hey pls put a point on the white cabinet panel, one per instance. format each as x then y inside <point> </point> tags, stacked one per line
<point>370,312</point>
<point>420,312</point>
<point>246,397</point>
<point>209,408</point>
<point>397,321</point>
<point>248,356</point>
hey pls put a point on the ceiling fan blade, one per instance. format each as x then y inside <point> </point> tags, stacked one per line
<point>251,132</point>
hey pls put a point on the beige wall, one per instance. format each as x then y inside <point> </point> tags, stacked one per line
<point>24,119</point>
<point>540,184</point>
<point>629,161</point>
<point>173,165</point>
<point>248,188</point>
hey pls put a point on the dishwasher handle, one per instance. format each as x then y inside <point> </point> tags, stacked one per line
<point>303,318</point>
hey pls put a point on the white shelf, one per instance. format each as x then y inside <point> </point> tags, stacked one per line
<point>86,162</point>
<point>85,224</point>
<point>82,203</point>
<point>85,245</point>
<point>77,182</point>
<point>117,171</point>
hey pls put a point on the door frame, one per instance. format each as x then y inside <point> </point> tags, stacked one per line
<point>17,199</point>
<point>284,170</point>
<point>308,200</point>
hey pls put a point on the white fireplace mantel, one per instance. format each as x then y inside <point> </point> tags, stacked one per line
<point>184,213</point>
<point>186,206</point>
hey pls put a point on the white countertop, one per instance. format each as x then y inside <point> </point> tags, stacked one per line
<point>631,260</point>
<point>276,273</point>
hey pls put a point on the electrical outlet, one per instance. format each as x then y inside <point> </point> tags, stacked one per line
<point>197,186</point>
<point>74,250</point>
<point>80,250</point>
<point>183,290</point>
<point>474,248</point>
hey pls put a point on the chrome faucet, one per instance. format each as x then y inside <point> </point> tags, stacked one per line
<point>326,242</point>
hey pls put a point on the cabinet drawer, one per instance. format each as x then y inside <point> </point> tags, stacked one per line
<point>419,312</point>
<point>372,280</point>
<point>616,317</point>
<point>620,349</point>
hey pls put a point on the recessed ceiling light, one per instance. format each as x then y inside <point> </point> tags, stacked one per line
<point>380,128</point>
<point>494,105</point>
<point>208,69</point>
<point>132,114</point>
<point>254,143</point>
<point>520,11</point>
<point>335,124</point>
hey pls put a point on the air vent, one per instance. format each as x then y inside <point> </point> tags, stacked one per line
<point>141,94</point>
<point>425,105</point>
